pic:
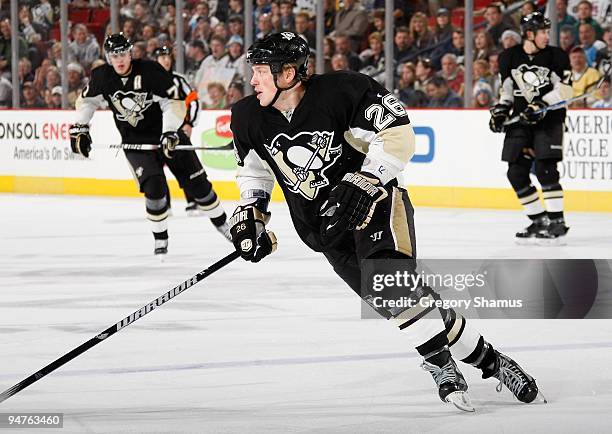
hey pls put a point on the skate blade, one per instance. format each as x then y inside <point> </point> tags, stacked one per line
<point>551,242</point>
<point>461,400</point>
<point>541,397</point>
<point>531,241</point>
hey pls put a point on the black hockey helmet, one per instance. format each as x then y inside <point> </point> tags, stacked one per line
<point>117,43</point>
<point>279,49</point>
<point>534,22</point>
<point>164,50</point>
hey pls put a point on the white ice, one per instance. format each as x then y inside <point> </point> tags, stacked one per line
<point>272,347</point>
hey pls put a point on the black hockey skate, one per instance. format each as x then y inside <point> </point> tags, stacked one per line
<point>161,247</point>
<point>192,209</point>
<point>511,375</point>
<point>452,387</point>
<point>554,232</point>
<point>529,234</point>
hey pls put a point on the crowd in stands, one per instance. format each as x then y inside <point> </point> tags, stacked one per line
<point>428,41</point>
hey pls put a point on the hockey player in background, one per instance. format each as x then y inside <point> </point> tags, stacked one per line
<point>163,56</point>
<point>336,144</point>
<point>147,108</point>
<point>533,76</point>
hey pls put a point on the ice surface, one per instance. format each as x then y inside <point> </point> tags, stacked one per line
<point>270,347</point>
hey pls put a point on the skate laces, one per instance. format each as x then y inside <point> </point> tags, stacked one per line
<point>510,375</point>
<point>444,374</point>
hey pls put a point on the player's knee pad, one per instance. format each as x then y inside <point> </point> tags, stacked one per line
<point>547,172</point>
<point>518,174</point>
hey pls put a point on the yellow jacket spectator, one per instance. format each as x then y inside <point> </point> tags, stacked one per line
<point>584,77</point>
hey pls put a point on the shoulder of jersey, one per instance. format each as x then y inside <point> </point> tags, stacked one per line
<point>102,71</point>
<point>333,85</point>
<point>245,106</point>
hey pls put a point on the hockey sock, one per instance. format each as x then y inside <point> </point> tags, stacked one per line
<point>211,206</point>
<point>528,197</point>
<point>157,214</point>
<point>553,200</point>
<point>466,344</point>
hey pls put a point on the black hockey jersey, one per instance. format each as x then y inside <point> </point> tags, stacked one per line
<point>527,78</point>
<point>134,99</point>
<point>310,153</point>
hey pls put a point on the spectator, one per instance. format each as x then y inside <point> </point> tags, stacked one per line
<point>302,21</point>
<point>423,72</point>
<point>262,7</point>
<point>311,65</point>
<point>139,51</point>
<point>378,22</point>
<point>329,6</point>
<point>75,82</point>
<point>84,48</point>
<point>130,30</point>
<point>453,73</point>
<point>235,92</point>
<point>403,48</point>
<point>32,32</point>
<point>586,36</point>
<point>202,10</point>
<point>495,77</point>
<point>421,34</point>
<point>53,77</point>
<point>152,45</point>
<point>604,53</point>
<point>373,58</point>
<point>605,95</point>
<point>236,56</point>
<point>6,41</point>
<point>408,95</point>
<point>528,8</point>
<point>221,31</point>
<point>30,97</point>
<point>444,28</point>
<point>585,16</point>
<point>6,93</point>
<point>483,45</point>
<point>42,14</point>
<point>567,38</point>
<point>236,8</point>
<point>264,24</point>
<point>343,46</point>
<point>149,31</point>
<point>509,39</point>
<point>483,95</point>
<point>481,72</point>
<point>584,77</point>
<point>216,93</point>
<point>25,70</point>
<point>214,68</point>
<point>352,21</point>
<point>202,30</point>
<point>53,97</point>
<point>339,62</point>
<point>235,26</point>
<point>440,96</point>
<point>194,55</point>
<point>564,19</point>
<point>495,22</point>
<point>142,14</point>
<point>328,53</point>
<point>169,16</point>
<point>458,45</point>
<point>287,19</point>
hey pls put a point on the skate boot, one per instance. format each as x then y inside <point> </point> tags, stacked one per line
<point>161,247</point>
<point>554,232</point>
<point>528,235</point>
<point>192,209</point>
<point>452,387</point>
<point>511,375</point>
<point>224,229</point>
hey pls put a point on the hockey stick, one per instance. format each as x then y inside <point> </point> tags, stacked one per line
<point>153,146</point>
<point>561,104</point>
<point>120,325</point>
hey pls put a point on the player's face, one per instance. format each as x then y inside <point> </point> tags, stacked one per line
<point>263,83</point>
<point>165,61</point>
<point>121,62</point>
<point>542,37</point>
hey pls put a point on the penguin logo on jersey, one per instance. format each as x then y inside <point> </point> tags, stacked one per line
<point>530,79</point>
<point>130,106</point>
<point>304,158</point>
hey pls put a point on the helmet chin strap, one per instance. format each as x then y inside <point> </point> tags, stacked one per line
<point>281,89</point>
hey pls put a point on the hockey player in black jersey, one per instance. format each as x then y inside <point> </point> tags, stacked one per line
<point>147,108</point>
<point>336,144</point>
<point>163,56</point>
<point>534,75</point>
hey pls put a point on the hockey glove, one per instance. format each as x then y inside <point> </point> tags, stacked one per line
<point>169,140</point>
<point>249,235</point>
<point>499,114</point>
<point>351,203</point>
<point>80,140</point>
<point>531,116</point>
